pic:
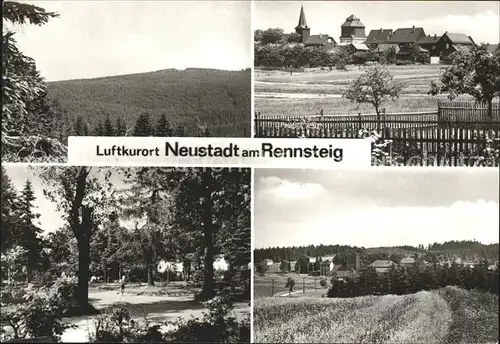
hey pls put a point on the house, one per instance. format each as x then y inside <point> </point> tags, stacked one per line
<point>345,272</point>
<point>412,262</point>
<point>293,263</point>
<point>376,37</point>
<point>382,266</point>
<point>492,267</point>
<point>429,43</point>
<point>406,37</point>
<point>385,47</point>
<point>274,268</point>
<point>357,47</point>
<point>353,262</point>
<point>267,262</point>
<point>326,267</point>
<point>450,43</point>
<point>352,31</point>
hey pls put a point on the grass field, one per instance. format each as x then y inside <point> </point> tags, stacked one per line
<point>297,94</point>
<point>449,315</point>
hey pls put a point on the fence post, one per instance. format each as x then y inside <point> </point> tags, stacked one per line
<point>303,285</point>
<point>272,290</point>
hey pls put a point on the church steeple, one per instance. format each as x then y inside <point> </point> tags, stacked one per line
<point>302,29</point>
<point>302,20</point>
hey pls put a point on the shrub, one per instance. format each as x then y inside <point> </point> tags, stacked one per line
<point>322,283</point>
<point>39,316</point>
<point>290,283</point>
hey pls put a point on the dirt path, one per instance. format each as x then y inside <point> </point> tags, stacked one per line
<point>158,310</point>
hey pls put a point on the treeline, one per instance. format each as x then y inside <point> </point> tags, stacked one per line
<point>402,281</point>
<point>293,253</point>
<point>144,126</point>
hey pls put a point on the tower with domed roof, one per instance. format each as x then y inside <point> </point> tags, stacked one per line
<point>352,31</point>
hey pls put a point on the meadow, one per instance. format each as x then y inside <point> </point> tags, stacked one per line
<point>449,315</point>
<point>219,99</point>
<point>309,92</point>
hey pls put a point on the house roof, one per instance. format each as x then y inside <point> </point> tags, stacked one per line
<point>359,46</point>
<point>352,21</point>
<point>406,35</point>
<point>407,260</point>
<point>382,263</point>
<point>320,39</point>
<point>385,46</point>
<point>378,36</point>
<point>302,19</point>
<point>429,39</point>
<point>459,38</point>
<point>491,47</point>
<point>461,48</point>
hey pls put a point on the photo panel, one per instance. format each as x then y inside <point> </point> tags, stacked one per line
<point>421,87</point>
<point>376,255</point>
<point>123,68</point>
<point>125,254</point>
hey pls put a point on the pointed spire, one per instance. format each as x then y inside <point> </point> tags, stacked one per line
<point>302,19</point>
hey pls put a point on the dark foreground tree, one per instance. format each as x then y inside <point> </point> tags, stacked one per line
<point>476,74</point>
<point>24,102</point>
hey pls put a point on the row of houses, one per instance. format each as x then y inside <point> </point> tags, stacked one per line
<point>353,266</point>
<point>402,40</point>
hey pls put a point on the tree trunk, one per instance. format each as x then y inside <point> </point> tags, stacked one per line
<point>84,258</point>
<point>105,271</point>
<point>490,114</point>
<point>150,274</point>
<point>208,275</point>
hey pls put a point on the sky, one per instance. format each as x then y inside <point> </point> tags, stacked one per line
<point>375,207</point>
<point>479,19</point>
<point>50,218</point>
<point>103,38</point>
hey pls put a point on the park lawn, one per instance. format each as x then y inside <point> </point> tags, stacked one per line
<point>263,285</point>
<point>449,315</point>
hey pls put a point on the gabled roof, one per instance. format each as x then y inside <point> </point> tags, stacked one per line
<point>459,38</point>
<point>317,39</point>
<point>429,39</point>
<point>359,46</point>
<point>382,263</point>
<point>406,35</point>
<point>352,21</point>
<point>378,36</point>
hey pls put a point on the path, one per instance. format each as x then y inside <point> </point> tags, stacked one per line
<point>158,310</point>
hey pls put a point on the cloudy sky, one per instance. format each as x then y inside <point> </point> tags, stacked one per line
<point>102,38</point>
<point>50,218</point>
<point>375,207</point>
<point>479,19</point>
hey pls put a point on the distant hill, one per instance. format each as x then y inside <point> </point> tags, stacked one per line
<point>219,99</point>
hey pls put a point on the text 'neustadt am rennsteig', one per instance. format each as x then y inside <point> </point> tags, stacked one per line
<point>267,150</point>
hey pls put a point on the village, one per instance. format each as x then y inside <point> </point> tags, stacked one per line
<point>401,44</point>
<point>351,268</point>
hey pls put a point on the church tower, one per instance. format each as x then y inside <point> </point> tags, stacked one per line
<point>302,29</point>
<point>352,31</point>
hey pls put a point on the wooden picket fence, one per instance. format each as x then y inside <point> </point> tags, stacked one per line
<point>454,135</point>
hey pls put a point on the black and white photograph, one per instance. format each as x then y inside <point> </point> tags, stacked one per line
<point>122,68</point>
<point>125,254</point>
<point>376,256</point>
<point>420,79</point>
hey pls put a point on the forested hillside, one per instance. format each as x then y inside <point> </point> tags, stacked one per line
<point>192,98</point>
